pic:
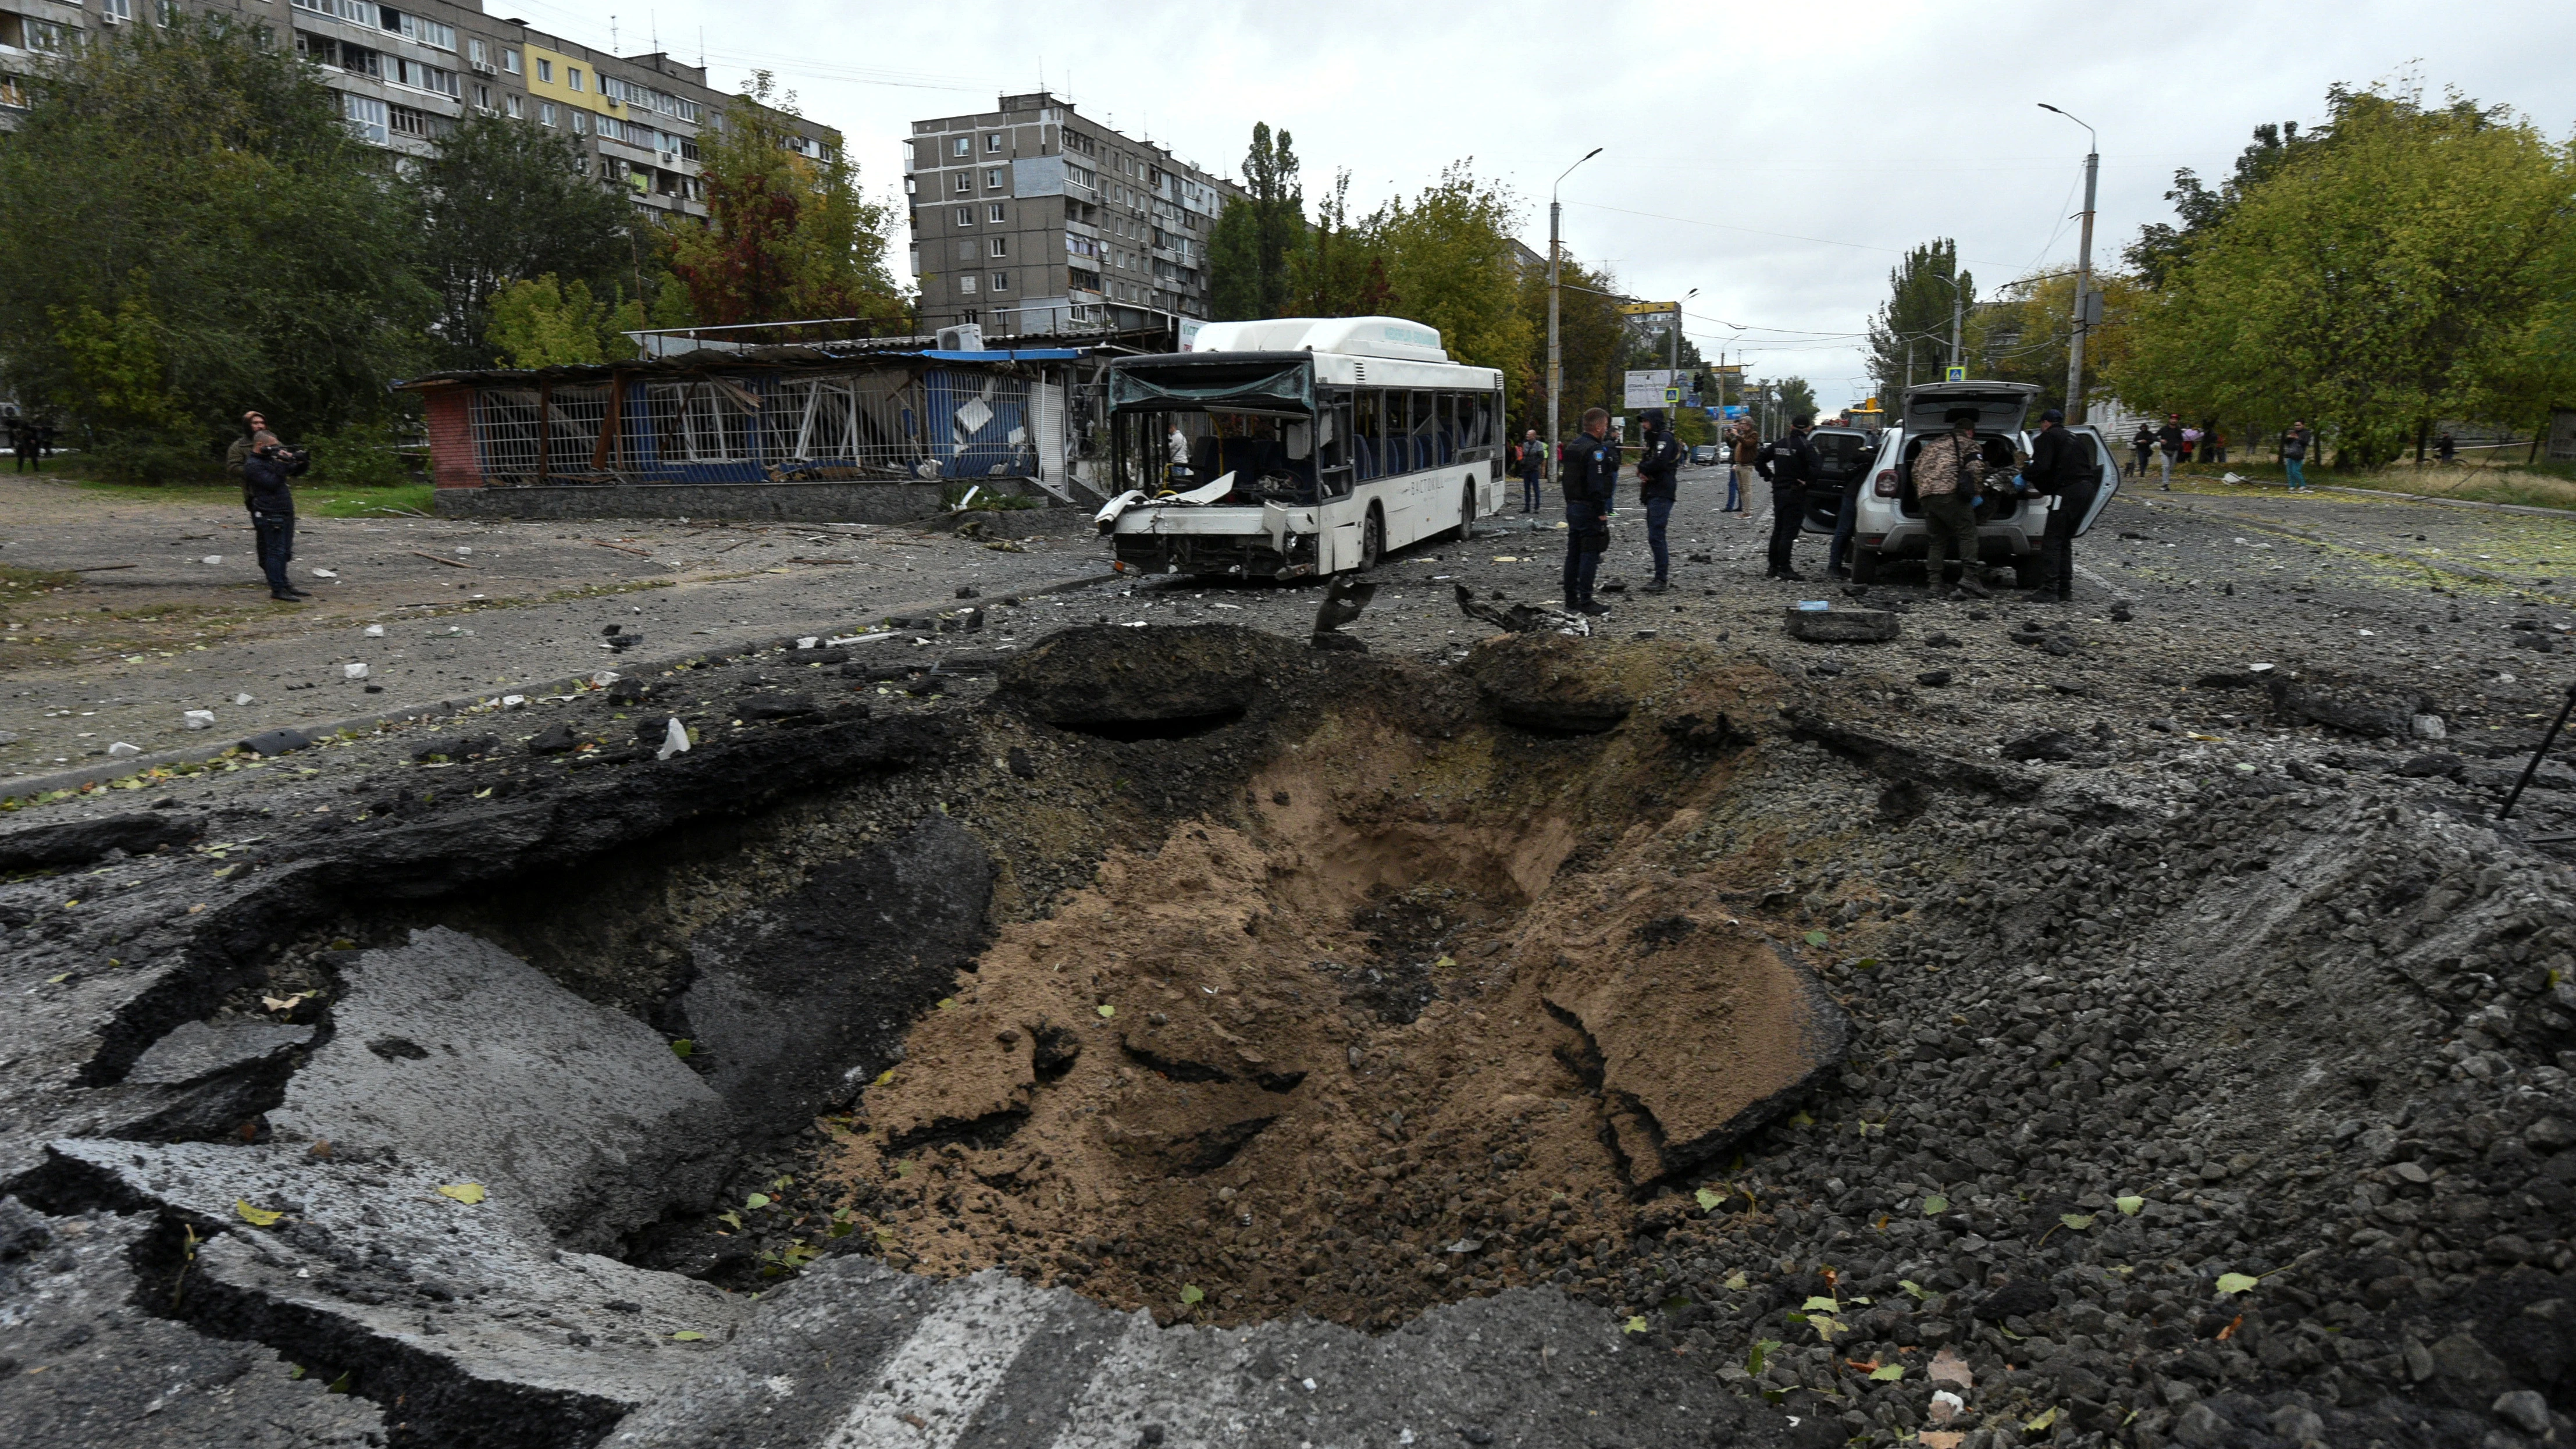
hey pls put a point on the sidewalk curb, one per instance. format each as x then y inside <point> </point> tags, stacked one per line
<point>105,770</point>
<point>2419,560</point>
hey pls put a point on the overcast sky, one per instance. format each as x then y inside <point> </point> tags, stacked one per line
<point>1776,157</point>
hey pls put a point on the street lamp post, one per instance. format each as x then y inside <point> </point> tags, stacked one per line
<point>1555,350</point>
<point>2083,272</point>
<point>1677,328</point>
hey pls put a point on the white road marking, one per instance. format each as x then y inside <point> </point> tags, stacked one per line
<point>1140,1382</point>
<point>955,1358</point>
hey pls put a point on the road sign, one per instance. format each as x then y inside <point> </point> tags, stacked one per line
<point>1672,397</point>
<point>1954,374</point>
<point>1645,387</point>
<point>1648,309</point>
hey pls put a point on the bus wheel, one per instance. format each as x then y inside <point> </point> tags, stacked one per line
<point>1372,540</point>
<point>1467,512</point>
<point>1864,565</point>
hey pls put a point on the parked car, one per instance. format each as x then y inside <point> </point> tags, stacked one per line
<point>1703,454</point>
<point>1843,455</point>
<point>1889,523</point>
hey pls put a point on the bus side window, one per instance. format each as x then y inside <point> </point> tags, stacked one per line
<point>1366,433</point>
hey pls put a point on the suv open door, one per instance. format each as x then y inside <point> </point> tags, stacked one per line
<point>2091,437</point>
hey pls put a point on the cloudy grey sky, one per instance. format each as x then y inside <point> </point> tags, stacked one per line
<point>1777,157</point>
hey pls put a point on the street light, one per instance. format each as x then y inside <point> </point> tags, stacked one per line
<point>1555,352</point>
<point>1677,328</point>
<point>2083,271</point>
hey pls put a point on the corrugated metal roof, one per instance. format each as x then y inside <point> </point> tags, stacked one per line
<point>797,357</point>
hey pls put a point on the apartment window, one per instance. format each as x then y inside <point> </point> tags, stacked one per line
<point>993,145</point>
<point>965,183</point>
<point>510,104</point>
<point>482,98</point>
<point>172,13</point>
<point>966,283</point>
<point>116,9</point>
<point>510,61</point>
<point>994,213</point>
<point>42,35</point>
<point>959,146</point>
<point>572,77</point>
<point>546,110</point>
<point>1080,246</point>
<point>965,216</point>
<point>367,116</point>
<point>581,123</point>
<point>11,93</point>
<point>475,52</point>
<point>546,71</point>
<point>1001,246</point>
<point>356,12</point>
<point>1001,281</point>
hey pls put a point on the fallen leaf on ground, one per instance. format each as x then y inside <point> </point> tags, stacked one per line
<point>256,1217</point>
<point>688,1335</point>
<point>2235,1283</point>
<point>468,1193</point>
<point>1948,1368</point>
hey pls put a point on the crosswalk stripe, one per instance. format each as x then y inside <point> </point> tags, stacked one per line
<point>930,1388</point>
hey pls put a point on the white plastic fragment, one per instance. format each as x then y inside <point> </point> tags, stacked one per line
<point>514,701</point>
<point>375,631</point>
<point>462,550</point>
<point>324,574</point>
<point>353,671</point>
<point>675,740</point>
<point>123,751</point>
<point>212,558</point>
<point>241,699</point>
<point>198,719</point>
<point>808,642</point>
<point>605,678</point>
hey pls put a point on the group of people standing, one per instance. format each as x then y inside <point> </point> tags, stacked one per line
<point>266,467</point>
<point>2174,443</point>
<point>1947,475</point>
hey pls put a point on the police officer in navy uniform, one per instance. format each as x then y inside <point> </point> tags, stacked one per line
<point>1789,464</point>
<point>2061,465</point>
<point>1656,489</point>
<point>1588,475</point>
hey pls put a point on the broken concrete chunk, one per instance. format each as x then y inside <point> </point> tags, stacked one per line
<point>1839,626</point>
<point>461,1312</point>
<point>554,739</point>
<point>78,842</point>
<point>273,743</point>
<point>2358,706</point>
<point>450,1049</point>
<point>85,1368</point>
<point>202,1049</point>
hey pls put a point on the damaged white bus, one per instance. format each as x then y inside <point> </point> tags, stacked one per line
<point>1296,447</point>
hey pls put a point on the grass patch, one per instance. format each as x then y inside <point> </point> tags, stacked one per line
<point>327,501</point>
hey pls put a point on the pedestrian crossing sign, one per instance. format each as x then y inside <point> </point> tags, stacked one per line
<point>1954,374</point>
<point>1672,395</point>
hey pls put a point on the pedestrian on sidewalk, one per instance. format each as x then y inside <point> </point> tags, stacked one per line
<point>265,488</point>
<point>2143,444</point>
<point>1588,476</point>
<point>1533,460</point>
<point>1657,484</point>
<point>1789,464</point>
<point>1944,472</point>
<point>2061,467</point>
<point>2169,445</point>
<point>2445,449</point>
<point>2294,455</point>
<point>2216,451</point>
<point>22,442</point>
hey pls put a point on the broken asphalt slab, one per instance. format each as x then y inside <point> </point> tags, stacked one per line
<point>855,1356</point>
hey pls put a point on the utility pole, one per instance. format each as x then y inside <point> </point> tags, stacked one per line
<point>2084,306</point>
<point>1555,348</point>
<point>1954,318</point>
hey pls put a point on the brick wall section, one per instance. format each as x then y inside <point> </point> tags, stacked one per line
<point>453,462</point>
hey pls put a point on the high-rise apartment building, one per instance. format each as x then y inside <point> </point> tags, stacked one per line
<point>1033,218</point>
<point>404,74</point>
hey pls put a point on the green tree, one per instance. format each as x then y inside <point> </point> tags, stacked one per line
<point>1592,340</point>
<point>197,195</point>
<point>540,322</point>
<point>1249,247</point>
<point>2020,334</point>
<point>1910,336</point>
<point>1449,263</point>
<point>2160,248</point>
<point>787,236</point>
<point>502,200</point>
<point>2369,285</point>
<point>1792,397</point>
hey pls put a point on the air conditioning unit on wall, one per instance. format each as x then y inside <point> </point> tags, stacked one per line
<point>966,337</point>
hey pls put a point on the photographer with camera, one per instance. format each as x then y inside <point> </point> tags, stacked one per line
<point>272,509</point>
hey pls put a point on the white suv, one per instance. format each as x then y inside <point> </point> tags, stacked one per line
<point>1888,524</point>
